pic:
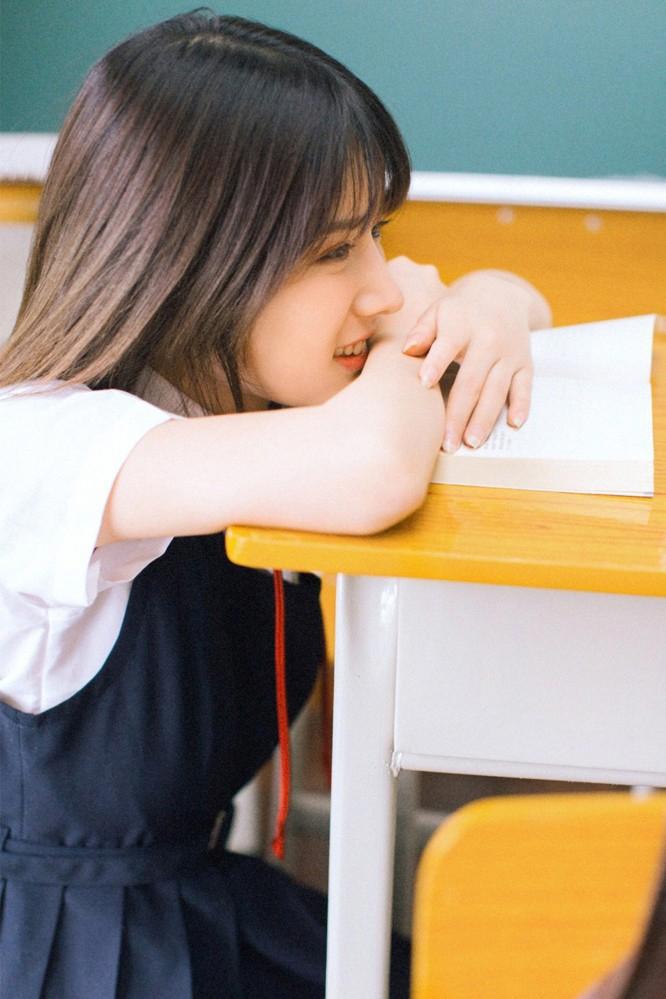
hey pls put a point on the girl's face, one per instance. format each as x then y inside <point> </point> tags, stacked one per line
<point>296,346</point>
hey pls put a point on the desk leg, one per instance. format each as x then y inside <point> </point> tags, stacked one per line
<point>363,793</point>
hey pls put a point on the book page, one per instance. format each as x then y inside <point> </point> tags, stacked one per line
<point>575,420</point>
<point>590,423</point>
<point>612,350</point>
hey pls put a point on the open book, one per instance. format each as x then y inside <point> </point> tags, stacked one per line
<point>590,423</point>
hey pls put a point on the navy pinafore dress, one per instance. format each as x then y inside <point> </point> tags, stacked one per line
<point>108,888</point>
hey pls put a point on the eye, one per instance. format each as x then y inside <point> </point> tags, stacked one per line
<point>377,228</point>
<point>342,251</point>
<point>338,252</point>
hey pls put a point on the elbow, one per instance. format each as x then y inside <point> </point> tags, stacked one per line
<point>391,490</point>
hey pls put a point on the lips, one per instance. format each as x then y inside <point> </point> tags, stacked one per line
<point>353,362</point>
<point>352,356</point>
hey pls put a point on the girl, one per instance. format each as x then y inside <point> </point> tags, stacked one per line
<point>209,334</point>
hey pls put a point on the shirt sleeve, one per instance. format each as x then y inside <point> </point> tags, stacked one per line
<point>60,451</point>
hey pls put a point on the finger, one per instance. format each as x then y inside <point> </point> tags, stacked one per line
<point>450,343</point>
<point>423,333</point>
<point>488,408</point>
<point>520,397</point>
<point>464,396</point>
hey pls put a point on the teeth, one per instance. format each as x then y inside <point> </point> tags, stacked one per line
<point>354,348</point>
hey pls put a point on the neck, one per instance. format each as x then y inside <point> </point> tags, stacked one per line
<point>182,381</point>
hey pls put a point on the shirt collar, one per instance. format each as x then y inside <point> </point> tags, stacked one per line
<point>155,389</point>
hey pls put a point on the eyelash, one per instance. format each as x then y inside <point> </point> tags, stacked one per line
<point>342,252</point>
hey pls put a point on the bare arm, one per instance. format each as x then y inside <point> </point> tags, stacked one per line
<point>355,464</point>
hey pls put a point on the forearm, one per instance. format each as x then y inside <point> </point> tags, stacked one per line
<point>354,465</point>
<point>481,282</point>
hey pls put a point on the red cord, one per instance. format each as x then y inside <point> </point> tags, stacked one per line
<point>282,718</point>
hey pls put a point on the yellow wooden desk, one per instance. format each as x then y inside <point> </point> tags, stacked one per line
<point>437,670</point>
<point>610,544</point>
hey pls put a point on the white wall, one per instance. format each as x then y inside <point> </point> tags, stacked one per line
<point>14,247</point>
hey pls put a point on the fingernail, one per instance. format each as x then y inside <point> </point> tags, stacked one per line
<point>472,440</point>
<point>415,339</point>
<point>451,444</point>
<point>428,375</point>
<point>517,422</point>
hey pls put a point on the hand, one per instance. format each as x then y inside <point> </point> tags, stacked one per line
<point>482,322</point>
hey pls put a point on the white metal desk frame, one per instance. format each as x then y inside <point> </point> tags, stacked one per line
<point>520,682</point>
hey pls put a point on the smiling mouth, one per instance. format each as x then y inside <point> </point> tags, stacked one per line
<point>352,357</point>
<point>352,349</point>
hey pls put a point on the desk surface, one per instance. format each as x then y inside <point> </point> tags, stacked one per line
<point>611,544</point>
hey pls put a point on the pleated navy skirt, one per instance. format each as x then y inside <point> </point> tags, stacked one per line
<point>108,888</point>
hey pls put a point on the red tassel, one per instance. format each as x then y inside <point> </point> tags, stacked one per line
<point>282,718</point>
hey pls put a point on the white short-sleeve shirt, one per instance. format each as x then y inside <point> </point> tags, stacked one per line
<point>62,601</point>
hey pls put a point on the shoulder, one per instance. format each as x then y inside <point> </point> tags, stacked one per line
<point>46,418</point>
<point>47,398</point>
<point>36,396</point>
<point>61,447</point>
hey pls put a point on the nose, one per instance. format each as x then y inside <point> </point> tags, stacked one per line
<point>379,293</point>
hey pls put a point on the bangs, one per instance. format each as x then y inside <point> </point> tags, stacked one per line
<point>371,185</point>
<point>367,192</point>
<point>356,172</point>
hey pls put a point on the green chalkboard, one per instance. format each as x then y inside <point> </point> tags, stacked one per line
<point>551,87</point>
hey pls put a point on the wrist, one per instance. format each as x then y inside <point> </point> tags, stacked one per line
<point>517,293</point>
<point>398,325</point>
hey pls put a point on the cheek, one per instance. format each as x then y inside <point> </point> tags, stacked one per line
<point>301,377</point>
<point>305,378</point>
<point>290,358</point>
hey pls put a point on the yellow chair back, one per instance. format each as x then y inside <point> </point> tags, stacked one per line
<point>19,201</point>
<point>534,896</point>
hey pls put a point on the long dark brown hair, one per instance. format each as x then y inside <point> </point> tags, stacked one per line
<point>201,161</point>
